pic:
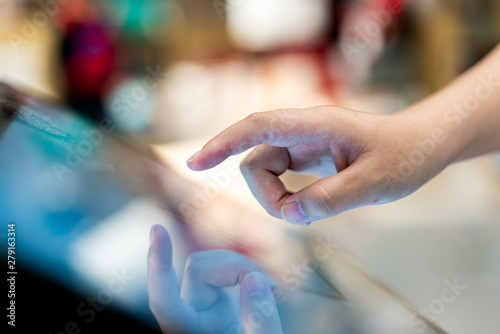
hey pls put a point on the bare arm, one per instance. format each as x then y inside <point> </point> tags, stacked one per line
<point>467,110</point>
<point>363,158</point>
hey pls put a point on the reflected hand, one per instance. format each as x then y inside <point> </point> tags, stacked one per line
<point>203,305</point>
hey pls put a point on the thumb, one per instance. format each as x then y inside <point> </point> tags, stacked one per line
<point>328,197</point>
<point>259,314</point>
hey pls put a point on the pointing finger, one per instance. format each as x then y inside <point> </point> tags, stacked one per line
<point>279,128</point>
<point>172,313</point>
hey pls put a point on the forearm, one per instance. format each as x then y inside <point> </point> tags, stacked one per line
<point>466,111</point>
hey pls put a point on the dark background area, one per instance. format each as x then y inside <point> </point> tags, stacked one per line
<point>43,306</point>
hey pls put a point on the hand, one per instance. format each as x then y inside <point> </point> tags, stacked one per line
<point>363,158</point>
<point>203,305</point>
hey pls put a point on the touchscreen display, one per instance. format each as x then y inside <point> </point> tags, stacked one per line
<point>59,170</point>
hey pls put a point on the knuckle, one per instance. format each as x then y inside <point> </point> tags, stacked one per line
<point>192,270</point>
<point>249,162</point>
<point>193,263</point>
<point>194,257</point>
<point>256,117</point>
<point>261,122</point>
<point>245,164</point>
<point>282,119</point>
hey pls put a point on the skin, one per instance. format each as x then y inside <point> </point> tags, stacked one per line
<point>363,158</point>
<point>203,305</point>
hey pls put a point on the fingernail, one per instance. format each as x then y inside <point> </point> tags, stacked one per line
<point>293,213</point>
<point>193,157</point>
<point>254,284</point>
<point>151,235</point>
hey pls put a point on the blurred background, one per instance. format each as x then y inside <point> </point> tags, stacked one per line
<point>174,73</point>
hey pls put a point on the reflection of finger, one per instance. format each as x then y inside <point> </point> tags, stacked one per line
<point>259,314</point>
<point>261,169</point>
<point>172,313</point>
<point>209,271</point>
<point>280,128</point>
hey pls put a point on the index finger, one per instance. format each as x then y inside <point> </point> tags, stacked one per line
<point>281,128</point>
<point>171,312</point>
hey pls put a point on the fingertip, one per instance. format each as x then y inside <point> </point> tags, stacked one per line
<point>202,160</point>
<point>151,235</point>
<point>197,166</point>
<point>158,231</point>
<point>194,157</point>
<point>293,213</point>
<point>255,284</point>
<point>198,161</point>
<point>160,244</point>
<point>194,165</point>
<point>257,300</point>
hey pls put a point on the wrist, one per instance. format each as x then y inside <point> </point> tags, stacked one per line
<point>434,143</point>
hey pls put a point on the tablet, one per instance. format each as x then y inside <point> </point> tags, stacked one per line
<point>60,169</point>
